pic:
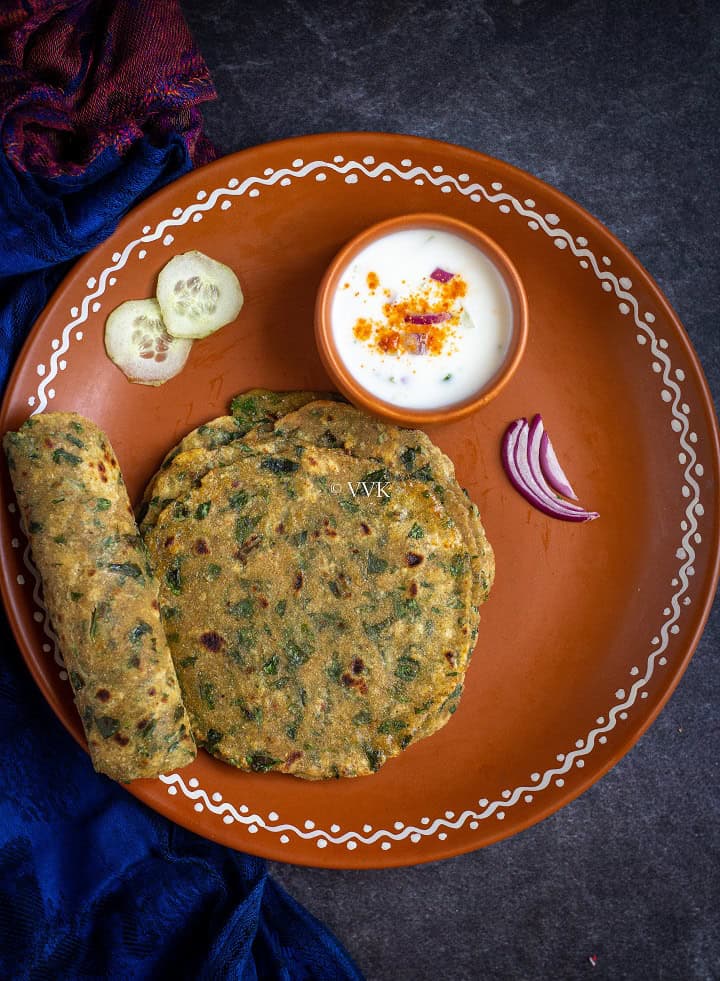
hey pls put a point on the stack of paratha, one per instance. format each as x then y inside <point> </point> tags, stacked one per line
<point>320,578</point>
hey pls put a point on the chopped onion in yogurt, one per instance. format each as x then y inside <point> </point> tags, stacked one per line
<point>422,278</point>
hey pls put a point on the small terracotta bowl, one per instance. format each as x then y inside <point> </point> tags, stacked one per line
<point>354,390</point>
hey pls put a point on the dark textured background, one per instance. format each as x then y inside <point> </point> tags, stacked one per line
<point>615,103</point>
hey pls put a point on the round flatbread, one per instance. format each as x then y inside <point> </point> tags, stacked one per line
<point>404,451</point>
<point>316,611</point>
<point>258,408</point>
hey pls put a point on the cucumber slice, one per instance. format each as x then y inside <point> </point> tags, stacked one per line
<point>197,295</point>
<point>137,341</point>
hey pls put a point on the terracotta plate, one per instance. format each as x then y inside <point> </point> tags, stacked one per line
<point>588,628</point>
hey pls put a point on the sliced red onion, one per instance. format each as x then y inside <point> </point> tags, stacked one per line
<point>527,459</point>
<point>521,459</point>
<point>416,343</point>
<point>441,275</point>
<point>535,434</point>
<point>427,319</point>
<point>550,464</point>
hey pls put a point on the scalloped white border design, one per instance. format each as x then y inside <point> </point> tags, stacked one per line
<point>671,394</point>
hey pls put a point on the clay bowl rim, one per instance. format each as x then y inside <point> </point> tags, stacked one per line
<point>338,371</point>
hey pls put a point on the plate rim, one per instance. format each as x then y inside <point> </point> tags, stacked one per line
<point>440,849</point>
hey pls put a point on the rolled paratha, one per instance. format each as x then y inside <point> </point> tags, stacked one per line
<point>101,595</point>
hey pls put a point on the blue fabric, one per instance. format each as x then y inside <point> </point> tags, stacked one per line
<point>47,222</point>
<point>95,885</point>
<point>92,883</point>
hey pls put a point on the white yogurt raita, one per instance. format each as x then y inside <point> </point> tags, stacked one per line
<point>421,318</point>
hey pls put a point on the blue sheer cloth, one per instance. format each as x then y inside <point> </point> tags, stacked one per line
<point>95,885</point>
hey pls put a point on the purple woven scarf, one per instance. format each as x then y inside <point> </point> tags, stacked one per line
<point>78,76</point>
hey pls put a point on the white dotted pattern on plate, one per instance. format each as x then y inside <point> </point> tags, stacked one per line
<point>353,171</point>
